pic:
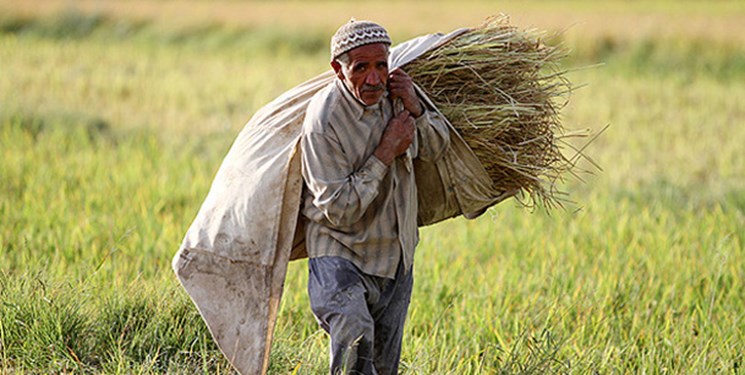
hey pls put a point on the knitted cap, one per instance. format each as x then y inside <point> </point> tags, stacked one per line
<point>355,34</point>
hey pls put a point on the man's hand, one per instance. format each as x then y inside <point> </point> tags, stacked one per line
<point>400,85</point>
<point>396,138</point>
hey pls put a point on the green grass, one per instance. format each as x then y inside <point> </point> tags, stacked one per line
<point>111,130</point>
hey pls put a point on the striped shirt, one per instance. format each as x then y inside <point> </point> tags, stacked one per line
<point>357,207</point>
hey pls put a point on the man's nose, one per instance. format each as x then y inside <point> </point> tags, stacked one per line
<point>373,78</point>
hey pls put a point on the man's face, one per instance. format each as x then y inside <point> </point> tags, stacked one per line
<point>366,75</point>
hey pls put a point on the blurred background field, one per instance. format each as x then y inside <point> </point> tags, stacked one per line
<point>115,115</point>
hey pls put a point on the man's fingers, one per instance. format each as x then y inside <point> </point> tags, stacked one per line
<point>395,72</point>
<point>398,72</point>
<point>398,85</point>
<point>399,79</point>
<point>400,82</point>
<point>403,115</point>
<point>404,123</point>
<point>408,123</point>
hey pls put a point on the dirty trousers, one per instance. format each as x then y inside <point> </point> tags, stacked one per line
<point>363,314</point>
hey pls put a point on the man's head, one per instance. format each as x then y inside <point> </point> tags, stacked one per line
<point>359,56</point>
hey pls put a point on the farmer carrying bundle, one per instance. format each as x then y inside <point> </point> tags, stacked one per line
<point>378,159</point>
<point>501,88</point>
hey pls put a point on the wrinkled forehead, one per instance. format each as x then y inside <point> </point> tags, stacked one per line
<point>369,52</point>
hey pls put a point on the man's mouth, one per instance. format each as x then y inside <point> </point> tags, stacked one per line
<point>372,88</point>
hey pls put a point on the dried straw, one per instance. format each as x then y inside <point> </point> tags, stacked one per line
<point>502,88</point>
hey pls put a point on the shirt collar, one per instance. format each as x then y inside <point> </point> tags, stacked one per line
<point>358,107</point>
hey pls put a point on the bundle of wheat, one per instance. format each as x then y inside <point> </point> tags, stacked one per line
<point>502,89</point>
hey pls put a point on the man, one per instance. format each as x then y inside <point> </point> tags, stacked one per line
<point>361,198</point>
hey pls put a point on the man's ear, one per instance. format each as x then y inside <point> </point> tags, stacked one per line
<point>337,69</point>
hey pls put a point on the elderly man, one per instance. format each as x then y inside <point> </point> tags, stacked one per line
<point>361,198</point>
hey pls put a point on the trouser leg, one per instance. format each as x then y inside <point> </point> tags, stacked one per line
<point>363,314</point>
<point>338,300</point>
<point>389,316</point>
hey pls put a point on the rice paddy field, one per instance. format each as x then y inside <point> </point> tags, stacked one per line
<point>114,117</point>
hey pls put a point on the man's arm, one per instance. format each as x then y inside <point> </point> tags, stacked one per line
<point>433,135</point>
<point>342,193</point>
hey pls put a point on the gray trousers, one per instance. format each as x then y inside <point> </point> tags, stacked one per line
<point>363,314</point>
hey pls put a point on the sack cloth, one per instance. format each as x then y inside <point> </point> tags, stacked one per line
<point>234,257</point>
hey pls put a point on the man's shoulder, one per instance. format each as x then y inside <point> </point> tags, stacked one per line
<point>321,108</point>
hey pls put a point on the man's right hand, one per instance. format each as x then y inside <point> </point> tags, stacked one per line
<point>396,138</point>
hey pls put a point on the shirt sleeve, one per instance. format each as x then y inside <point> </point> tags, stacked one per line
<point>433,135</point>
<point>340,192</point>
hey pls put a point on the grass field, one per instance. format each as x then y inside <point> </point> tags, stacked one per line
<point>114,117</point>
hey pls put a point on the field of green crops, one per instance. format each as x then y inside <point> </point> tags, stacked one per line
<point>114,117</point>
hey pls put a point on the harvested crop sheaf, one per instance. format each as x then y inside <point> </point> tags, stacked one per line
<point>502,89</point>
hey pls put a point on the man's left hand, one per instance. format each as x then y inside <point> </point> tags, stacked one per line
<point>400,85</point>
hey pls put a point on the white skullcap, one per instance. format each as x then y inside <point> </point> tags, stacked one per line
<point>355,34</point>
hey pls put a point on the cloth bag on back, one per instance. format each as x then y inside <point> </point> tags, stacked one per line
<point>234,257</point>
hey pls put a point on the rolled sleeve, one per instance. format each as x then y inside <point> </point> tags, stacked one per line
<point>433,135</point>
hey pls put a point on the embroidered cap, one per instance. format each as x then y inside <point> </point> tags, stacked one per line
<point>355,34</point>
